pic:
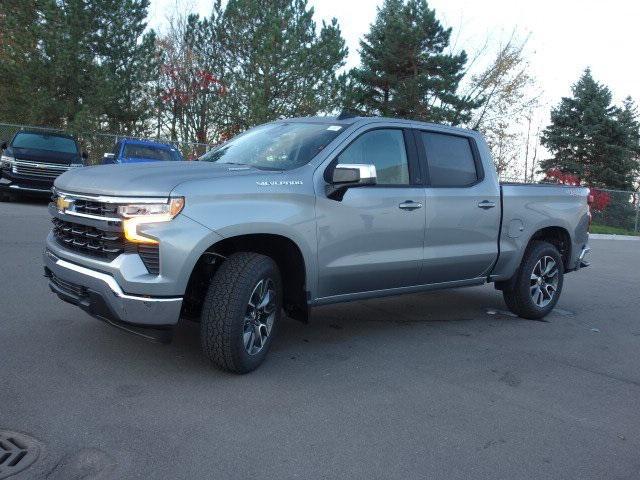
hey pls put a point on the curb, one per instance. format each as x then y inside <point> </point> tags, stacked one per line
<point>606,236</point>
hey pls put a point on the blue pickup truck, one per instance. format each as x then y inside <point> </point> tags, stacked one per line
<point>141,151</point>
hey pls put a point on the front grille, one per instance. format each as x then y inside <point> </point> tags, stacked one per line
<point>69,287</point>
<point>44,171</point>
<point>102,244</point>
<point>91,207</point>
<point>88,240</point>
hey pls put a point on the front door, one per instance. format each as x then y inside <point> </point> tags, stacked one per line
<point>372,239</point>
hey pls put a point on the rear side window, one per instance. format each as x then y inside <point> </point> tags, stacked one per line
<point>450,160</point>
<point>383,148</point>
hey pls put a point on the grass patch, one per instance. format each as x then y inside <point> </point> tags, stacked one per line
<point>611,230</point>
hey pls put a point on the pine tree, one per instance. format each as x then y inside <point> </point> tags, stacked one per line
<point>278,65</point>
<point>588,137</point>
<point>126,58</point>
<point>68,43</point>
<point>405,71</point>
<point>629,118</point>
<point>22,73</point>
<point>76,64</point>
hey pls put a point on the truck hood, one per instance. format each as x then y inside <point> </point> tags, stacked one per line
<point>155,179</point>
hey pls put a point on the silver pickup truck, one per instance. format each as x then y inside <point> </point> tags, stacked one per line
<point>305,212</point>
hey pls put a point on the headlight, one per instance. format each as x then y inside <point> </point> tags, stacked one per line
<point>139,214</point>
<point>6,161</point>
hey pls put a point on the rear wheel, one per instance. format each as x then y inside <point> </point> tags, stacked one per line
<point>241,311</point>
<point>536,288</point>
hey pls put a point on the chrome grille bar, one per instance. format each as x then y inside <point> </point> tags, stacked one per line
<point>37,169</point>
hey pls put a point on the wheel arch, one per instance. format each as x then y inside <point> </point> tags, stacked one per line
<point>291,261</point>
<point>556,235</point>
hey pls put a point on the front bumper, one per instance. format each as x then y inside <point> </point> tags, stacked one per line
<point>10,184</point>
<point>100,295</point>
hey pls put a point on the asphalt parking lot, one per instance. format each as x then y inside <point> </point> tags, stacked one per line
<point>437,385</point>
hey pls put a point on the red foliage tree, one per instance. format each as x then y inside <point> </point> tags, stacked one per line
<point>599,200</point>
<point>564,178</point>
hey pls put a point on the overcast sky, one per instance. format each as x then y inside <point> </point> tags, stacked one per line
<point>565,35</point>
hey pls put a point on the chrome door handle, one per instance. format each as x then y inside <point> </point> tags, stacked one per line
<point>486,204</point>
<point>410,205</point>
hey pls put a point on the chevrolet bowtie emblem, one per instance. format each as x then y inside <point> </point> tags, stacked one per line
<point>62,203</point>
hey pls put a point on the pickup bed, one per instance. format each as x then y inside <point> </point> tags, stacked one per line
<point>304,212</point>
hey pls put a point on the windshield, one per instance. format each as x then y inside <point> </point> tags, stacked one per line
<point>151,153</point>
<point>41,141</point>
<point>278,146</point>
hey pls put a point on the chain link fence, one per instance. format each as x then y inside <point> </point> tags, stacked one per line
<point>615,211</point>
<point>97,144</point>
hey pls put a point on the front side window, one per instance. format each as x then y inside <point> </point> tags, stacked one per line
<point>450,160</point>
<point>41,141</point>
<point>383,148</point>
<point>276,146</point>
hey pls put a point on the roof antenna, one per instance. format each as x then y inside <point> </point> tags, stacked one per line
<point>347,113</point>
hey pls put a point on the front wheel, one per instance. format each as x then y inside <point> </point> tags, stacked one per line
<point>241,311</point>
<point>538,282</point>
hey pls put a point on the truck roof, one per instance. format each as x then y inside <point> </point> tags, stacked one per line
<point>367,120</point>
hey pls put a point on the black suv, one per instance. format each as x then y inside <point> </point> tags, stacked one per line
<point>32,161</point>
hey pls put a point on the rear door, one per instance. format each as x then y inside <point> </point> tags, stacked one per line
<point>372,238</point>
<point>462,209</point>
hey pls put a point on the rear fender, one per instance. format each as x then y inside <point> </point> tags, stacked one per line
<point>512,250</point>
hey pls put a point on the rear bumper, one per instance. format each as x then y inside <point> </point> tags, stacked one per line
<point>582,262</point>
<point>100,295</point>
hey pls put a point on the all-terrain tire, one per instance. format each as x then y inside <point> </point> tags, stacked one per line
<point>224,312</point>
<point>521,295</point>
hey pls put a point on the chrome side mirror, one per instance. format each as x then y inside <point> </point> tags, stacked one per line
<point>354,173</point>
<point>350,175</point>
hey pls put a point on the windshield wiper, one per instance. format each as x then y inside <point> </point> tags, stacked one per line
<point>270,169</point>
<point>258,167</point>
